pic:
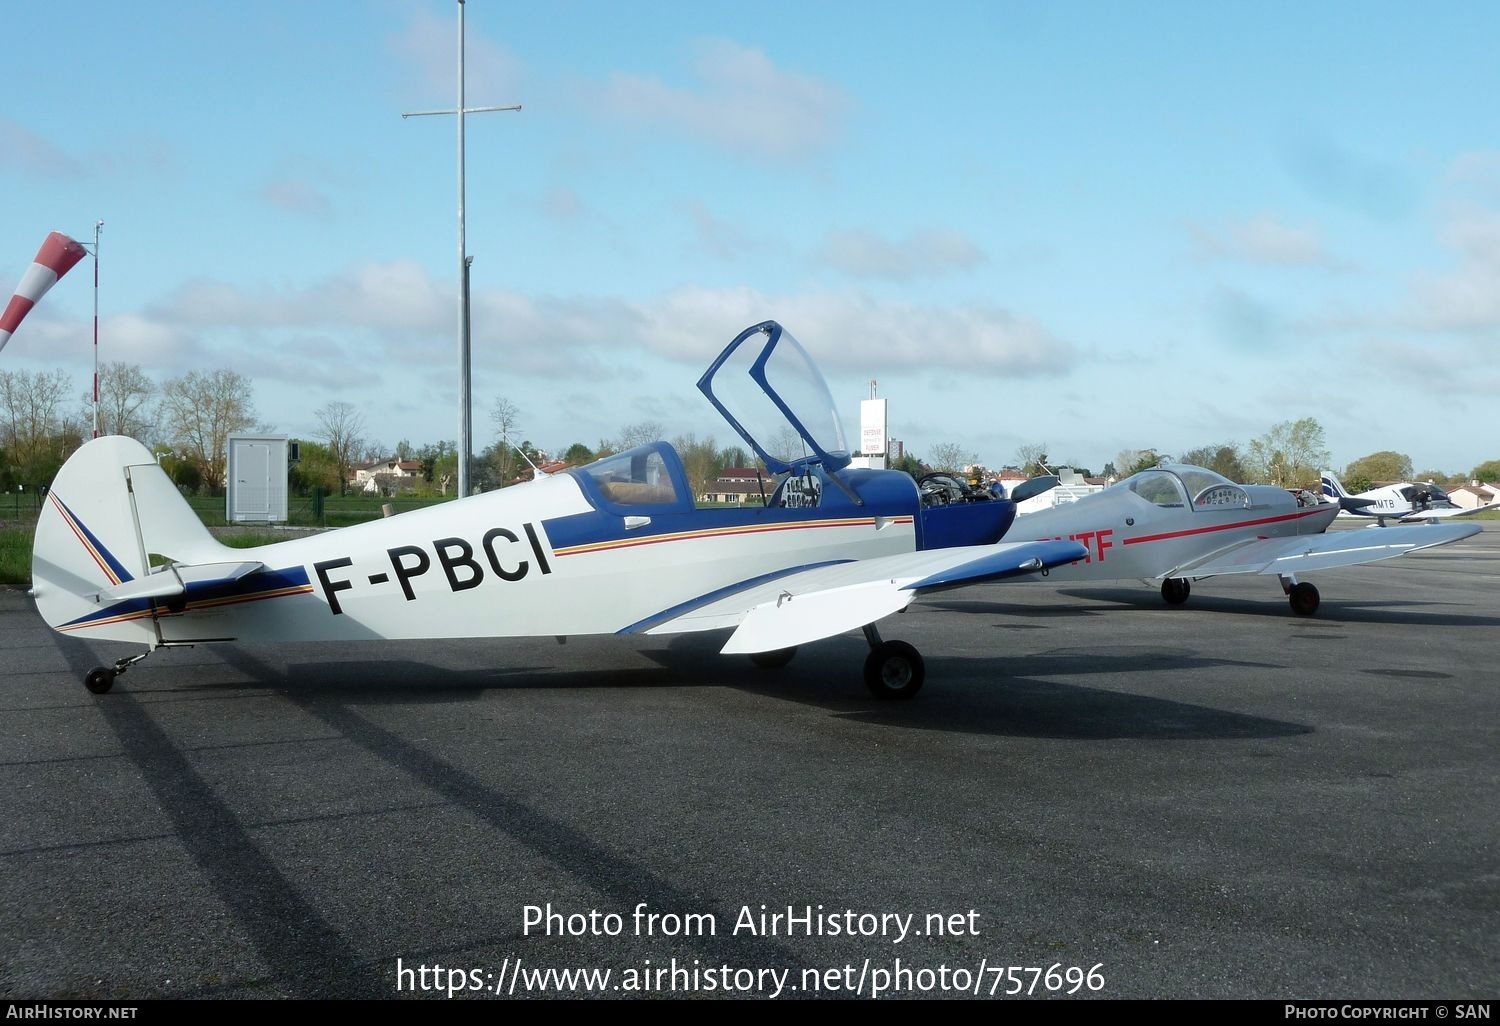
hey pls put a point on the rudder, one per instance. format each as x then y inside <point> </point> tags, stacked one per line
<point>110,507</point>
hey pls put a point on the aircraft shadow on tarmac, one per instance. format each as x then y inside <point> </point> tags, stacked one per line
<point>1334,610</point>
<point>980,695</point>
<point>964,694</point>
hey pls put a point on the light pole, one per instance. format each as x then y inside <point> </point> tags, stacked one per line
<point>465,388</point>
<point>98,227</point>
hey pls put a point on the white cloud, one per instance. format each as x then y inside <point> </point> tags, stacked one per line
<point>1263,239</point>
<point>1466,297</point>
<point>741,102</point>
<point>32,154</point>
<point>297,197</point>
<point>717,237</point>
<point>923,253</point>
<point>429,47</point>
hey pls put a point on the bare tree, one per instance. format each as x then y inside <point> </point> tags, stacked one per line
<point>1032,458</point>
<point>125,408</point>
<point>632,435</point>
<point>343,427</point>
<point>504,415</point>
<point>35,432</point>
<point>201,412</point>
<point>950,457</point>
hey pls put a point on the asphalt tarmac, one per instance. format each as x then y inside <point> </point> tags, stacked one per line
<point>1216,800</point>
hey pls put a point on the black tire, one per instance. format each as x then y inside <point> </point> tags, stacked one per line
<point>774,659</point>
<point>1304,599</point>
<point>100,680</point>
<point>894,669</point>
<point>1175,590</point>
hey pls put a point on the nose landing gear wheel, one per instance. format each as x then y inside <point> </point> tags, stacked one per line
<point>894,669</point>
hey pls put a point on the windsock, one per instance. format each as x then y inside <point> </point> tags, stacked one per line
<point>56,257</point>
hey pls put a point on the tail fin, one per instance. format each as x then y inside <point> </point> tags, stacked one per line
<point>111,508</point>
<point>1333,489</point>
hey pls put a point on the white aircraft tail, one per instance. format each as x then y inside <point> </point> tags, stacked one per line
<point>1333,488</point>
<point>110,511</point>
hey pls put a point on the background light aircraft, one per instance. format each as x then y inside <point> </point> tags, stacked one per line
<point>1404,501</point>
<point>616,547</point>
<point>1178,523</point>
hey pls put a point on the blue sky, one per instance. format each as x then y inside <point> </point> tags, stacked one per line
<point>1093,226</point>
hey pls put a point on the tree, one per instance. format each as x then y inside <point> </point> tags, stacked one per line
<point>1032,459</point>
<point>316,468</point>
<point>125,395</point>
<point>734,456</point>
<point>578,454</point>
<point>950,457</point>
<point>1133,461</point>
<point>1290,454</point>
<point>35,433</point>
<point>343,427</point>
<point>1380,466</point>
<point>1487,472</point>
<point>504,415</point>
<point>201,412</point>
<point>1221,459</point>
<point>632,435</point>
<point>909,464</point>
<point>700,460</point>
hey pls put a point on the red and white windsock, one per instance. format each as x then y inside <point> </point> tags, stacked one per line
<point>56,257</point>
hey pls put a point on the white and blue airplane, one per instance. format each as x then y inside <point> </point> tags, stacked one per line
<point>616,547</point>
<point>1404,501</point>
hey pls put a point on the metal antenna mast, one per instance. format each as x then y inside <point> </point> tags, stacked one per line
<point>465,386</point>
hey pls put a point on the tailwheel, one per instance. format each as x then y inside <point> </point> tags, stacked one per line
<point>99,680</point>
<point>1175,590</point>
<point>1304,599</point>
<point>774,659</point>
<point>894,669</point>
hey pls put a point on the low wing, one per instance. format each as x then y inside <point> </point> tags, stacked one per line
<point>1444,514</point>
<point>802,605</point>
<point>1307,553</point>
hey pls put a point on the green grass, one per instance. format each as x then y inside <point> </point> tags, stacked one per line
<point>338,511</point>
<point>15,551</point>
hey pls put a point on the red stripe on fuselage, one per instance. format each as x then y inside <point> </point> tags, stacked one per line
<point>1223,527</point>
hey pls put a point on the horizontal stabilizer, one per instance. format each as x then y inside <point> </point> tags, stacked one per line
<point>174,580</point>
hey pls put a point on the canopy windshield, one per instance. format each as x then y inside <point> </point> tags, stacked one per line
<point>1178,484</point>
<point>771,393</point>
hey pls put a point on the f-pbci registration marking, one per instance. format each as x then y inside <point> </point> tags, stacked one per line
<point>457,557</point>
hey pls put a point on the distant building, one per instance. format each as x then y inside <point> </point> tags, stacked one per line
<point>738,486</point>
<point>386,476</point>
<point>1472,496</point>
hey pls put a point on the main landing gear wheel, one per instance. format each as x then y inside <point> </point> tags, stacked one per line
<point>1175,590</point>
<point>894,669</point>
<point>773,660</point>
<point>1304,598</point>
